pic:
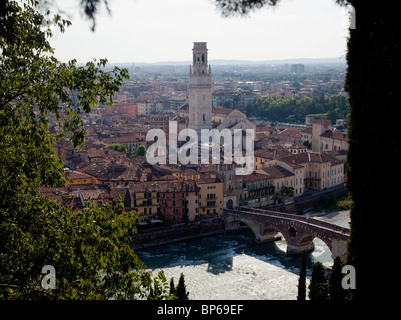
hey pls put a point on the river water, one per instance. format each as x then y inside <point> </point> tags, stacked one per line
<point>234,266</point>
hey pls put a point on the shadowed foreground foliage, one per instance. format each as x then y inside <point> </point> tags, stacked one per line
<point>89,249</point>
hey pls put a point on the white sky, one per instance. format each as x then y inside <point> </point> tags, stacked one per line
<point>164,30</point>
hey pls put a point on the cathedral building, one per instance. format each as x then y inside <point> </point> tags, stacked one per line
<point>198,113</point>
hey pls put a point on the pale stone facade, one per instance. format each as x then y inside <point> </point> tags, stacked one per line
<point>200,90</point>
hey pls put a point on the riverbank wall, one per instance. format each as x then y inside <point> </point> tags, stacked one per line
<point>308,202</point>
<point>179,232</point>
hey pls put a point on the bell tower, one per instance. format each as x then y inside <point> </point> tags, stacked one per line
<point>200,89</point>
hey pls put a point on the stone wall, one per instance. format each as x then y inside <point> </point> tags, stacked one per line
<point>176,233</point>
<point>308,202</point>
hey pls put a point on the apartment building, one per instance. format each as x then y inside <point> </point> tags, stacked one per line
<point>211,196</point>
<point>320,169</point>
<point>255,190</point>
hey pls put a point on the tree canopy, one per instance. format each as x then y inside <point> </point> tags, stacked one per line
<point>283,109</point>
<point>89,249</point>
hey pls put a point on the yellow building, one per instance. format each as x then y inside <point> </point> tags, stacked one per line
<point>187,174</point>
<point>211,196</point>
<point>296,180</point>
<point>320,169</point>
<point>281,177</point>
<point>145,200</point>
<point>77,177</point>
<point>255,190</point>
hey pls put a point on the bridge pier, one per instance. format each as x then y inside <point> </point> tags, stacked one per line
<point>298,249</point>
<point>268,238</point>
<point>269,235</point>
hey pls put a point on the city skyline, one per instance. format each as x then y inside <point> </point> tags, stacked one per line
<point>154,31</point>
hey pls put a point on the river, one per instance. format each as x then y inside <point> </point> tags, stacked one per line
<point>233,266</point>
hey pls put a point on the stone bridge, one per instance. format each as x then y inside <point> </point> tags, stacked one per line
<point>298,231</point>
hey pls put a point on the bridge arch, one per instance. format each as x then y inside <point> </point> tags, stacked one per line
<point>262,232</point>
<point>235,224</point>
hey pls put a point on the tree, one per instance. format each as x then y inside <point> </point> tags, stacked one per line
<point>141,151</point>
<point>172,287</point>
<point>287,190</point>
<point>89,249</point>
<point>336,291</point>
<point>181,290</point>
<point>318,284</point>
<point>119,147</point>
<point>373,63</point>
<point>159,291</point>
<point>302,278</point>
<point>236,99</point>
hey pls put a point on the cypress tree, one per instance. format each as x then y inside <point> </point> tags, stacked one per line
<point>318,289</point>
<point>181,290</point>
<point>172,287</point>
<point>302,278</point>
<point>336,291</point>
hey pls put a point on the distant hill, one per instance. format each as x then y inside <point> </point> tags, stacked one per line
<point>340,60</point>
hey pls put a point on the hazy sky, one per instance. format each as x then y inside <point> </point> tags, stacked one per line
<point>164,30</point>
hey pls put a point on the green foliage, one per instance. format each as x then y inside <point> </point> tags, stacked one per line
<point>289,191</point>
<point>119,147</point>
<point>295,109</point>
<point>181,290</point>
<point>302,278</point>
<point>172,287</point>
<point>318,289</point>
<point>89,249</point>
<point>336,291</point>
<point>141,151</point>
<point>160,289</point>
<point>344,204</point>
<point>374,98</point>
